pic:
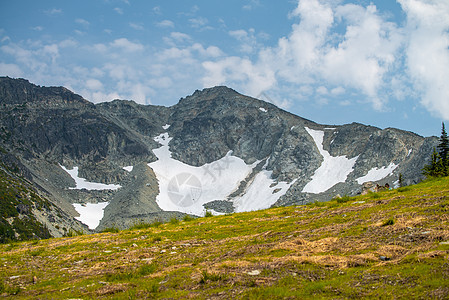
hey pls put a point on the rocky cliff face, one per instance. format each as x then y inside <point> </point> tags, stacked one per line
<point>216,150</point>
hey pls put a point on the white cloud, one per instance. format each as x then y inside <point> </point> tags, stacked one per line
<point>177,38</point>
<point>251,5</point>
<point>38,28</point>
<point>248,40</point>
<point>338,91</point>
<point>238,34</point>
<point>82,22</point>
<point>166,24</point>
<point>345,103</point>
<point>118,10</point>
<point>428,52</point>
<point>126,45</point>
<point>366,53</point>
<point>157,10</point>
<point>345,53</point>
<point>11,70</point>
<point>53,11</point>
<point>322,90</point>
<point>94,84</point>
<point>180,37</point>
<point>101,48</point>
<point>51,51</point>
<point>314,53</point>
<point>79,32</point>
<point>199,22</point>
<point>194,9</point>
<point>136,26</point>
<point>235,71</point>
<point>68,43</point>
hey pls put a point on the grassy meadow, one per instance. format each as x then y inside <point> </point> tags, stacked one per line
<point>391,244</point>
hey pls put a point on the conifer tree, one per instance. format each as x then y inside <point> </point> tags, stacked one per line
<point>443,147</point>
<point>435,168</point>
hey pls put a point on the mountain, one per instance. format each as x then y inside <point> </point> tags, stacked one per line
<point>214,150</point>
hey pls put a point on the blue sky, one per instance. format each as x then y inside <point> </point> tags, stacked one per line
<point>381,63</point>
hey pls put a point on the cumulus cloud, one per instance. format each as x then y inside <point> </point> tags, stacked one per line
<point>428,52</point>
<point>332,52</point>
<point>314,53</point>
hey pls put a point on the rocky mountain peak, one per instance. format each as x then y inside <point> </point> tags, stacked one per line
<point>21,92</point>
<point>210,94</point>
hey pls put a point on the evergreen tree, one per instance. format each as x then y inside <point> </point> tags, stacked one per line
<point>443,147</point>
<point>401,180</point>
<point>436,167</point>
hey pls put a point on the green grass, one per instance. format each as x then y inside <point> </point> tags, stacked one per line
<point>324,250</point>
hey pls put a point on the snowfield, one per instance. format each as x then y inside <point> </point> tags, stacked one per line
<point>259,195</point>
<point>128,168</point>
<point>186,188</point>
<point>376,174</point>
<point>90,213</point>
<point>333,169</point>
<point>82,183</point>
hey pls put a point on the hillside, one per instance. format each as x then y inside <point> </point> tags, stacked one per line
<point>391,244</point>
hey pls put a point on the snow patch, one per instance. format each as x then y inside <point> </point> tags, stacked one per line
<point>409,152</point>
<point>376,174</point>
<point>82,183</point>
<point>262,109</point>
<point>90,213</point>
<point>333,169</point>
<point>128,168</point>
<point>186,188</point>
<point>166,126</point>
<point>262,193</point>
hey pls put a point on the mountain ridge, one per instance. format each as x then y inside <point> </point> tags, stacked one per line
<point>281,153</point>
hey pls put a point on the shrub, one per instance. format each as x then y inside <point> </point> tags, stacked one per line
<point>343,199</point>
<point>111,229</point>
<point>174,221</point>
<point>388,222</point>
<point>147,269</point>
<point>187,218</point>
<point>206,276</point>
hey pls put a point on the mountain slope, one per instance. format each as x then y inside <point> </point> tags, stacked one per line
<point>392,244</point>
<point>215,150</point>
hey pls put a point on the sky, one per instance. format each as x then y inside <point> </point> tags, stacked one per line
<point>382,62</point>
